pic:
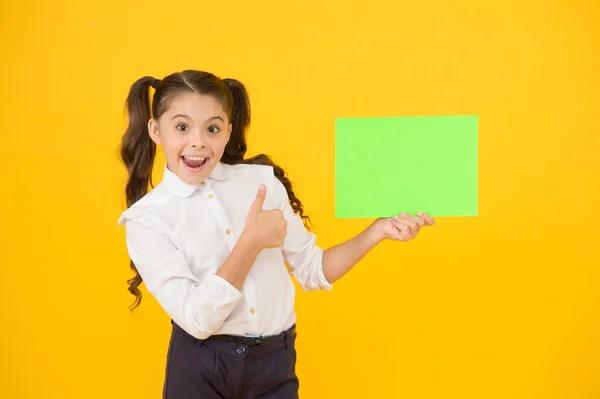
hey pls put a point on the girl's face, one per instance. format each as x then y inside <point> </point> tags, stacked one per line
<point>193,133</point>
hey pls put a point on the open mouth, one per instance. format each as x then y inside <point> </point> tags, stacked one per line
<point>193,164</point>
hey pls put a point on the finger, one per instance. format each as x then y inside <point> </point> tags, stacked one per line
<point>412,224</point>
<point>419,220</point>
<point>396,234</point>
<point>405,233</point>
<point>257,206</point>
<point>429,221</point>
<point>406,215</point>
<point>405,229</point>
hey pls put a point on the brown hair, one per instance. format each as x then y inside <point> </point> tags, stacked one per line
<point>138,150</point>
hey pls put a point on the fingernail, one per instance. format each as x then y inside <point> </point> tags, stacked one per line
<point>403,214</point>
<point>396,218</point>
<point>261,187</point>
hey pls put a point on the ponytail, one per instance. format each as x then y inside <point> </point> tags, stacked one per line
<point>236,147</point>
<point>138,152</point>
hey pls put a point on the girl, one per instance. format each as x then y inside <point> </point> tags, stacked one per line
<point>212,240</point>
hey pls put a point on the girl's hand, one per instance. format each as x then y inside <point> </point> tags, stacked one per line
<point>404,227</point>
<point>264,229</point>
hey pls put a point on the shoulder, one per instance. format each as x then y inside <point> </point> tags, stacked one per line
<point>147,210</point>
<point>244,179</point>
<point>251,173</point>
<point>247,170</point>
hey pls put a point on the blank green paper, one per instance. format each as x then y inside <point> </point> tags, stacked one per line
<point>385,166</point>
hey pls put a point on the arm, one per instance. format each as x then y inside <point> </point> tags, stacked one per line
<point>200,304</point>
<point>263,229</point>
<point>312,267</point>
<point>236,267</point>
<point>318,269</point>
<point>299,249</point>
<point>339,259</point>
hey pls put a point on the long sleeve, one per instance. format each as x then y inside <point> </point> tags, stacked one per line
<point>199,306</point>
<point>300,251</point>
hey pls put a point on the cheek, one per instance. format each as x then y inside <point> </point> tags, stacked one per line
<point>172,144</point>
<point>218,144</point>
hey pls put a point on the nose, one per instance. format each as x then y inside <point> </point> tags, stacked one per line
<point>197,140</point>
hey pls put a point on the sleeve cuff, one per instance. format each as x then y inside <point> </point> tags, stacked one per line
<point>323,283</point>
<point>218,287</point>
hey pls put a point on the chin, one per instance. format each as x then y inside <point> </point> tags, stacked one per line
<point>191,180</point>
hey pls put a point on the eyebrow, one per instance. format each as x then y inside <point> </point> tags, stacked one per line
<point>187,117</point>
<point>180,116</point>
<point>215,117</point>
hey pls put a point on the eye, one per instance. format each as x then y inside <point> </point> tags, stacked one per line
<point>213,129</point>
<point>182,128</point>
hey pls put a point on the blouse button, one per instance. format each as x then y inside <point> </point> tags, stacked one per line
<point>227,231</point>
<point>252,310</point>
<point>210,196</point>
<point>203,183</point>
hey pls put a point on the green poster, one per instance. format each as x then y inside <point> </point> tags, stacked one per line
<point>384,166</point>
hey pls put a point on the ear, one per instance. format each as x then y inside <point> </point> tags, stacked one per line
<point>229,129</point>
<point>153,131</point>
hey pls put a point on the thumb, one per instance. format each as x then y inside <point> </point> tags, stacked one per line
<point>257,206</point>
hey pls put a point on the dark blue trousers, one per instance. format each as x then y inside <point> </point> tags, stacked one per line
<point>227,367</point>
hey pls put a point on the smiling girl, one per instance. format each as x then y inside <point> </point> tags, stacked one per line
<point>212,240</point>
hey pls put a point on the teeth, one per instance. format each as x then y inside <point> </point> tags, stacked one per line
<point>194,158</point>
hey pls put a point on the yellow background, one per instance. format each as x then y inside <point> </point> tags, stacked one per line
<point>504,305</point>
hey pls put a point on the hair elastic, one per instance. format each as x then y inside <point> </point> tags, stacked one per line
<point>155,83</point>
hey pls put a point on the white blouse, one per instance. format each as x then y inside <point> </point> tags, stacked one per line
<point>178,235</point>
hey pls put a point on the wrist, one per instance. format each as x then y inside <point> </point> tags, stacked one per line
<point>378,230</point>
<point>248,244</point>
